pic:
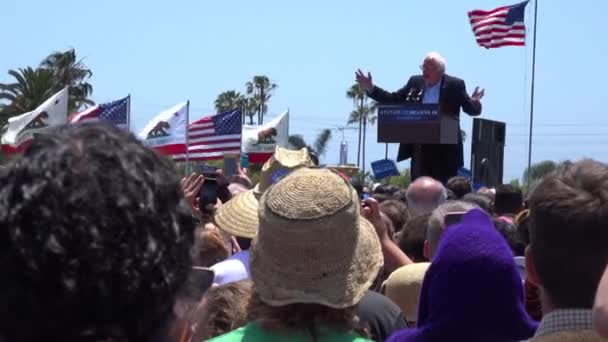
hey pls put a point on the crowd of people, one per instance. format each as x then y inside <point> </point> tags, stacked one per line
<point>102,240</point>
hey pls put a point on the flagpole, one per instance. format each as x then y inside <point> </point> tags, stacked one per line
<point>129,113</point>
<point>532,95</point>
<point>187,137</point>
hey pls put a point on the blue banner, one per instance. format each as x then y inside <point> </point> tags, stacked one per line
<point>408,113</point>
<point>384,168</point>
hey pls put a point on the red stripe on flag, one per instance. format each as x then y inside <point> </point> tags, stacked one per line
<point>213,142</point>
<point>502,36</point>
<point>259,158</point>
<point>482,12</point>
<point>10,149</point>
<point>501,44</point>
<point>171,149</point>
<point>501,17</point>
<point>500,30</point>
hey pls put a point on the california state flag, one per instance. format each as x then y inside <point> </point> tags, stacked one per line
<point>260,142</point>
<point>21,129</point>
<point>166,133</point>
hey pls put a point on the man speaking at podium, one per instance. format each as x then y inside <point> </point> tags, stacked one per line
<point>434,160</point>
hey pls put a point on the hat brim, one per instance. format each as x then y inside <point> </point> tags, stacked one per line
<point>239,216</point>
<point>278,285</point>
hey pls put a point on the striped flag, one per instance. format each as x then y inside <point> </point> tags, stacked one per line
<point>214,136</point>
<point>502,26</point>
<point>115,113</point>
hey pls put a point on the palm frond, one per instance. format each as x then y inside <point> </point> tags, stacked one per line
<point>322,141</point>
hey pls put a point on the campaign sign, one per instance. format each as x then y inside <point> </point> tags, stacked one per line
<point>384,168</point>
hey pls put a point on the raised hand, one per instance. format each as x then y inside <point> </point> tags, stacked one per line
<point>191,186</point>
<point>371,211</point>
<point>477,94</point>
<point>364,81</point>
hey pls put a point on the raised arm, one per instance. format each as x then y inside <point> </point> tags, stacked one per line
<point>379,94</point>
<point>470,104</point>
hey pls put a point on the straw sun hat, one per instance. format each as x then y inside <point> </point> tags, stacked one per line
<point>313,246</point>
<point>239,216</point>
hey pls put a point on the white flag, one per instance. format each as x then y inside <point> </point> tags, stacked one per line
<point>167,131</point>
<point>265,138</point>
<point>21,129</point>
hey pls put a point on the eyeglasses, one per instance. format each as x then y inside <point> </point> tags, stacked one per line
<point>428,67</point>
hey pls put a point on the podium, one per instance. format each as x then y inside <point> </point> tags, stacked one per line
<point>416,123</point>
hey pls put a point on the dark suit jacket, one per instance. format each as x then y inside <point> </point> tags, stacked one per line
<point>452,97</point>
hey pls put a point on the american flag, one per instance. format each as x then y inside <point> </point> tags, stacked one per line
<point>115,113</point>
<point>502,26</point>
<point>214,136</point>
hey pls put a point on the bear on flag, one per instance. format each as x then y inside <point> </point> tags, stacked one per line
<point>166,133</point>
<point>21,129</point>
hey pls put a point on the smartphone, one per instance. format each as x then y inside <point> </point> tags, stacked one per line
<point>208,192</point>
<point>209,171</point>
<point>230,165</point>
<point>244,160</point>
<point>453,218</point>
<point>198,282</point>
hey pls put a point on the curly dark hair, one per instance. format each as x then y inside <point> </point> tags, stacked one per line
<point>94,238</point>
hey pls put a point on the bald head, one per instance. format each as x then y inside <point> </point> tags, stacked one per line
<point>424,195</point>
<point>436,224</point>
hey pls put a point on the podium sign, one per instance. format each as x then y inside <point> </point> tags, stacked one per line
<point>416,123</point>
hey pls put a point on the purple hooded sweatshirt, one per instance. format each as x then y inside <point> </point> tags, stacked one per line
<point>472,291</point>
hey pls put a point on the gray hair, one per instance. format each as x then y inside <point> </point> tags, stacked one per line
<point>424,195</point>
<point>436,57</point>
<point>436,224</point>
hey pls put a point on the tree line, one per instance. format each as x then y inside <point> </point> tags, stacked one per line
<point>31,86</point>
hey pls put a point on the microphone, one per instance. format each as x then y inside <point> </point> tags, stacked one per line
<point>408,98</point>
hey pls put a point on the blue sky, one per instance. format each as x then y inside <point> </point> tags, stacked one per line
<point>163,52</point>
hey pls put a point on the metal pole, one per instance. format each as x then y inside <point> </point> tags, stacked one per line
<point>187,137</point>
<point>386,151</point>
<point>532,95</point>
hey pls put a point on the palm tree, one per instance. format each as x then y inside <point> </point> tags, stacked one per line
<point>31,88</point>
<point>261,89</point>
<point>320,145</point>
<point>248,107</point>
<point>364,113</point>
<point>70,72</point>
<point>228,101</point>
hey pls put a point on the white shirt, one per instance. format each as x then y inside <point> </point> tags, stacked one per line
<point>233,269</point>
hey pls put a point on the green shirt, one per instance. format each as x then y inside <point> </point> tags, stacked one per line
<point>253,333</point>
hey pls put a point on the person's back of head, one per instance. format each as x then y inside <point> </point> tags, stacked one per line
<point>568,233</point>
<point>511,235</point>
<point>302,284</point>
<point>508,200</point>
<point>95,238</point>
<point>209,247</point>
<point>471,290</point>
<point>424,195</point>
<point>412,237</point>
<point>437,224</point>
<point>482,201</point>
<point>222,309</point>
<point>396,212</point>
<point>386,189</point>
<point>459,186</point>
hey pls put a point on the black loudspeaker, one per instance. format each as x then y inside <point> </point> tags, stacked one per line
<point>487,152</point>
